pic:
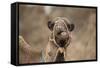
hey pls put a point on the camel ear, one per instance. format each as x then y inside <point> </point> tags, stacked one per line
<point>50,25</point>
<point>70,27</point>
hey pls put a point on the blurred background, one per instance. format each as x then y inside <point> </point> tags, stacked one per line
<point>33,29</point>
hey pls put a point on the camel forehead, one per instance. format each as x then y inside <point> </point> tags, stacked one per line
<point>60,21</point>
<point>60,24</point>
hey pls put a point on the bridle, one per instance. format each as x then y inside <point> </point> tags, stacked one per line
<point>60,49</point>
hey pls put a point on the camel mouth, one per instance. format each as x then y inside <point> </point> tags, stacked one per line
<point>62,43</point>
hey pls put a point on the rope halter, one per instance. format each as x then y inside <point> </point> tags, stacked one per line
<point>60,49</point>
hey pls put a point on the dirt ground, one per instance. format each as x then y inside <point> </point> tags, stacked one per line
<point>33,29</point>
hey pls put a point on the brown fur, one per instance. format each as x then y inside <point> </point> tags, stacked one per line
<point>55,50</point>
